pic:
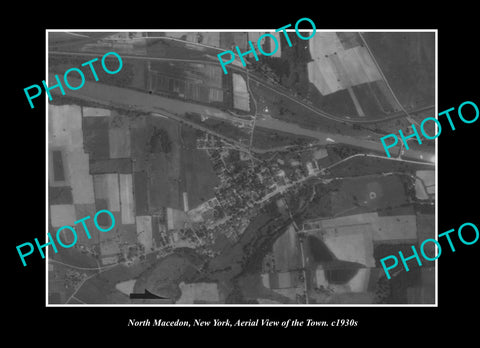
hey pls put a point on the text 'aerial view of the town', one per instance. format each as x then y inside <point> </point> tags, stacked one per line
<point>265,185</point>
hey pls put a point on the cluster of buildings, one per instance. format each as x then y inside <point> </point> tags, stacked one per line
<point>92,167</point>
<point>246,184</point>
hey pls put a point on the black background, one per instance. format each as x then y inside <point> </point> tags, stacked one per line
<point>24,184</point>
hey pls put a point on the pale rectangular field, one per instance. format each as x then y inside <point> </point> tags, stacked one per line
<point>352,243</point>
<point>62,215</point>
<point>342,76</point>
<point>95,112</point>
<point>335,68</point>
<point>65,126</point>
<point>185,201</point>
<point>144,231</point>
<point>324,43</point>
<point>126,199</point>
<point>194,292</point>
<point>321,71</point>
<point>324,78</point>
<point>113,194</point>
<point>106,187</point>
<point>286,251</point>
<point>240,93</point>
<point>359,65</point>
<point>80,178</point>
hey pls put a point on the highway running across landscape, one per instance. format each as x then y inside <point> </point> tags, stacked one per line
<point>136,100</point>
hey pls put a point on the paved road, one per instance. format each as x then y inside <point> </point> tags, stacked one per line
<point>235,66</point>
<point>123,97</point>
<point>339,138</point>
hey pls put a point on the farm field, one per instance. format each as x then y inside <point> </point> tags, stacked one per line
<point>368,194</point>
<point>200,83</point>
<point>338,75</point>
<point>161,164</point>
<point>265,185</point>
<point>96,139</point>
<point>286,251</point>
<point>175,165</point>
<point>60,195</point>
<point>407,59</point>
<point>284,109</point>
